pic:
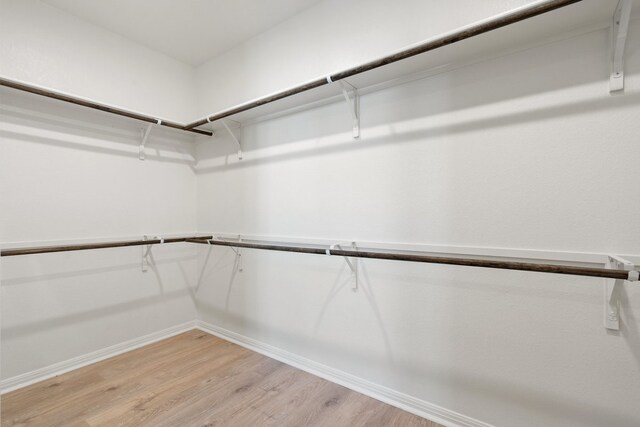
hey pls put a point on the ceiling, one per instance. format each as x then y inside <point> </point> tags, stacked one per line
<point>191,31</point>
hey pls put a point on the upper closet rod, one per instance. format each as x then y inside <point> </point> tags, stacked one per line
<point>500,21</point>
<point>90,104</point>
<point>85,246</point>
<point>398,256</point>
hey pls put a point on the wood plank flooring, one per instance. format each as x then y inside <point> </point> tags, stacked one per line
<point>195,379</point>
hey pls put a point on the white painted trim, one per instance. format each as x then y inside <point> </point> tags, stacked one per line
<point>392,397</point>
<point>51,371</point>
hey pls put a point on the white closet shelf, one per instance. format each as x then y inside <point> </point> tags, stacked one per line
<point>535,24</point>
<point>559,22</point>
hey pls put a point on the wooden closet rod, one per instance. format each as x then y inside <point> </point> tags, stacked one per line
<point>85,246</point>
<point>394,256</point>
<point>500,21</point>
<point>96,106</point>
<point>472,262</point>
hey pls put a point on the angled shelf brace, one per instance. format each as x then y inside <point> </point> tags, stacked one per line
<point>145,253</point>
<point>146,250</point>
<point>353,103</point>
<point>352,263</point>
<point>145,136</point>
<point>237,251</point>
<point>619,37</point>
<point>612,291</point>
<point>235,138</point>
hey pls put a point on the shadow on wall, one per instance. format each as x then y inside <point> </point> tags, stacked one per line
<point>392,136</point>
<point>163,295</point>
<point>86,272</point>
<point>630,324</point>
<point>29,118</point>
<point>13,332</point>
<point>225,272</point>
<point>228,263</point>
<point>342,281</point>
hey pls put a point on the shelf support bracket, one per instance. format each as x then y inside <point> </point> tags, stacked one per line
<point>352,263</point>
<point>146,250</point>
<point>612,292</point>
<point>619,38</point>
<point>145,136</point>
<point>353,103</point>
<point>145,254</point>
<point>237,251</point>
<point>235,138</point>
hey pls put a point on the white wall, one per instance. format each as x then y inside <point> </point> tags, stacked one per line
<point>525,151</point>
<point>68,174</point>
<point>43,45</point>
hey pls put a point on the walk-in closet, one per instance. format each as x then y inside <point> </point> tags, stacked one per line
<point>320,213</point>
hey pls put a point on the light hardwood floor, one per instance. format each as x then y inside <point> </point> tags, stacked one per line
<point>195,379</point>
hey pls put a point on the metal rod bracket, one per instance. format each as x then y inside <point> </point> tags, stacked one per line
<point>235,138</point>
<point>351,262</point>
<point>353,103</point>
<point>612,292</point>
<point>143,141</point>
<point>145,254</point>
<point>146,250</point>
<point>620,28</point>
<point>237,251</point>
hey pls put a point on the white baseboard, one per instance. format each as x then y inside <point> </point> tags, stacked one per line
<point>403,401</point>
<point>51,371</point>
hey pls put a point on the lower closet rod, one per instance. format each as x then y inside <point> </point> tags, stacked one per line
<point>473,262</point>
<point>81,247</point>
